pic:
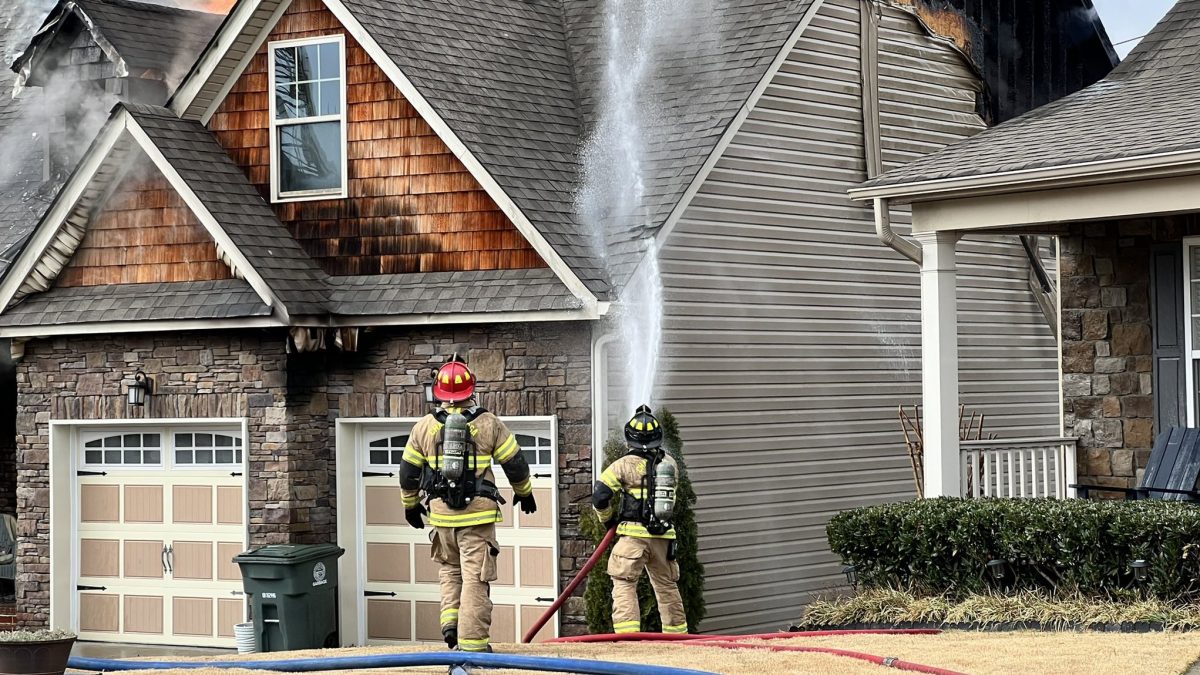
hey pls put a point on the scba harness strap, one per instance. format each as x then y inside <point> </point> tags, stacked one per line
<point>457,494</point>
<point>640,508</point>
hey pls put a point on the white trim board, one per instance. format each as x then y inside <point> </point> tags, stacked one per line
<point>136,326</point>
<point>1165,195</point>
<point>1087,173</point>
<point>207,67</point>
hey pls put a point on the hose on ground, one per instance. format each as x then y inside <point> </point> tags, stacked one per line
<point>583,572</point>
<point>341,663</point>
<point>668,637</point>
<point>888,661</point>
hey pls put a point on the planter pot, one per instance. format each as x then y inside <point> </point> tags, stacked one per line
<point>47,657</point>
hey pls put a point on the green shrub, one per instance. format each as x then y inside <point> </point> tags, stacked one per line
<point>898,608</point>
<point>598,594</point>
<point>942,546</point>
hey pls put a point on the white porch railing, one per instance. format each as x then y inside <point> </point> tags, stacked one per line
<point>1019,468</point>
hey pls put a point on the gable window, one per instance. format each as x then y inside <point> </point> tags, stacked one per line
<point>308,118</point>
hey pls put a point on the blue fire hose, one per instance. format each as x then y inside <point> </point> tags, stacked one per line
<point>334,663</point>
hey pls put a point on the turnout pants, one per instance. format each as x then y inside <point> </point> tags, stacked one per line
<point>629,557</point>
<point>467,556</point>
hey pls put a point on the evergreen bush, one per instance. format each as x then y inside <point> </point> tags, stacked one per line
<point>598,593</point>
<point>1074,546</point>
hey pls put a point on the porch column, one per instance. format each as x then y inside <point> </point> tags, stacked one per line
<point>939,363</point>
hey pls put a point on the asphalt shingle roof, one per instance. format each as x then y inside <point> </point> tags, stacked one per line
<point>519,80</point>
<point>231,298</point>
<point>239,209</point>
<point>715,55</point>
<point>1150,104</point>
<point>23,195</point>
<point>451,292</point>
<point>152,36</point>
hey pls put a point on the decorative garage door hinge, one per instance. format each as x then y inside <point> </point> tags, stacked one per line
<point>91,473</point>
<point>374,594</point>
<point>91,588</point>
<point>377,474</point>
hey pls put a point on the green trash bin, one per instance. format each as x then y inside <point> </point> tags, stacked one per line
<point>293,594</point>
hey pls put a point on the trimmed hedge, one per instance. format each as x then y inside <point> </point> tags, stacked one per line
<point>942,546</point>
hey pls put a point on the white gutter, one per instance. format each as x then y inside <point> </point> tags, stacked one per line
<point>1158,165</point>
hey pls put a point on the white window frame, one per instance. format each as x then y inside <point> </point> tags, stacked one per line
<point>306,195</point>
<point>538,427</point>
<point>1190,350</point>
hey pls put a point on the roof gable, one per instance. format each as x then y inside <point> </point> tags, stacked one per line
<point>1146,107</point>
<point>246,234</point>
<point>411,206</point>
<point>143,232</point>
<point>141,40</point>
<point>511,87</point>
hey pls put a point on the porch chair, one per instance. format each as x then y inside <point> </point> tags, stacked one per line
<point>1171,473</point>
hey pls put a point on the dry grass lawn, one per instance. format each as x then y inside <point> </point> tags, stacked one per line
<point>977,653</point>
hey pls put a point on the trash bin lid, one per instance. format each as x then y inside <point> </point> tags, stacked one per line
<point>288,554</point>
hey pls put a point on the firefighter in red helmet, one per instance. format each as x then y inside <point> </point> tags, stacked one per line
<point>449,459</point>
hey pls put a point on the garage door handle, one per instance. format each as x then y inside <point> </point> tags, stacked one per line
<point>170,558</point>
<point>375,594</point>
<point>164,559</point>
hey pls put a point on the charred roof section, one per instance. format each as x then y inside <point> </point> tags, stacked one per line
<point>139,41</point>
<point>1028,52</point>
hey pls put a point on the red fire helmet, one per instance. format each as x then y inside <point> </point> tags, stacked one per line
<point>454,383</point>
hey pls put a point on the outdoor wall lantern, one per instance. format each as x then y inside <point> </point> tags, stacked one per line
<point>995,568</point>
<point>851,573</point>
<point>1141,570</point>
<point>429,388</point>
<point>142,386</point>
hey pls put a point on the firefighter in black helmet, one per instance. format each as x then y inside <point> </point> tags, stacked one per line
<point>647,476</point>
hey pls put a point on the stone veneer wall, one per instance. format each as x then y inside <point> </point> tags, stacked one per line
<point>1107,348</point>
<point>292,401</point>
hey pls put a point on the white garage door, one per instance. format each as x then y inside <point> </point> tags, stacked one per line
<point>402,599</point>
<point>161,513</point>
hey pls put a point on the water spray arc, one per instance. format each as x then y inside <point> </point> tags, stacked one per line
<point>615,181</point>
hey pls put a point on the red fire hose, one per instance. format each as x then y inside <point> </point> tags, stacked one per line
<point>888,661</point>
<point>587,567</point>
<point>780,635</point>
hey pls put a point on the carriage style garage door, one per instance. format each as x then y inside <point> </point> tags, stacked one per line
<point>401,581</point>
<point>161,513</point>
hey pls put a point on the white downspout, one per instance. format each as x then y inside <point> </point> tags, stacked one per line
<point>599,399</point>
<point>883,230</point>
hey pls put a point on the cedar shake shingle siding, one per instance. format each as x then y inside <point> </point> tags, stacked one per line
<point>412,206</point>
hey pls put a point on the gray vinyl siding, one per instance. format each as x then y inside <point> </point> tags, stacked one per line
<point>791,334</point>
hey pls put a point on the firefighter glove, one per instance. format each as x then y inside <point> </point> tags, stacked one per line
<point>413,516</point>
<point>527,503</point>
